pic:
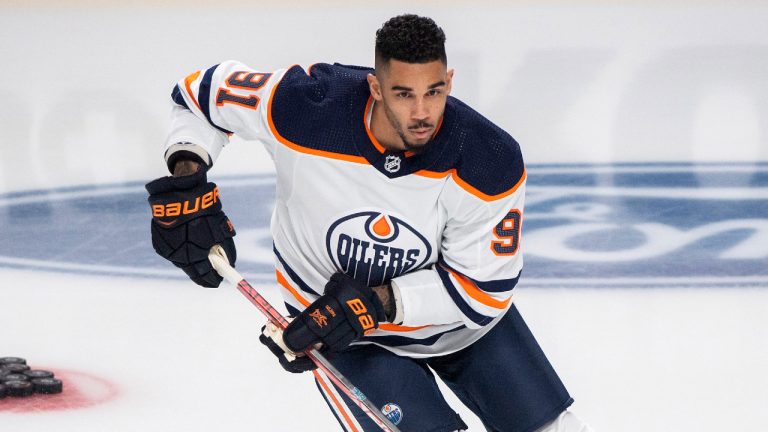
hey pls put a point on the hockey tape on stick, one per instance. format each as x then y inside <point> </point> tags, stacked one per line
<point>219,261</point>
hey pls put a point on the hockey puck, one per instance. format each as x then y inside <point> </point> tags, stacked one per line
<point>16,368</point>
<point>47,385</point>
<point>3,391</point>
<point>19,388</point>
<point>33,374</point>
<point>12,360</point>
<point>15,377</point>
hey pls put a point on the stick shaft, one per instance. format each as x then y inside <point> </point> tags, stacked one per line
<point>322,363</point>
<point>220,263</point>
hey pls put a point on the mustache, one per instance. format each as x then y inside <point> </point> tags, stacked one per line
<point>420,125</point>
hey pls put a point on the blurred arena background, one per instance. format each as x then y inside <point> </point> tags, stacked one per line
<point>582,85</point>
<point>85,84</point>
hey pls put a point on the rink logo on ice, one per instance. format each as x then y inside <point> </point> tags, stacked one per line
<point>393,413</point>
<point>374,247</point>
<point>647,225</point>
<point>104,229</point>
<point>621,225</point>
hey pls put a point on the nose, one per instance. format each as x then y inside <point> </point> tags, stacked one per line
<point>420,109</point>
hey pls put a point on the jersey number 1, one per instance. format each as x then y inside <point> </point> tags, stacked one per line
<point>242,80</point>
<point>508,234</point>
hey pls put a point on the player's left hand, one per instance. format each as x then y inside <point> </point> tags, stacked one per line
<point>347,311</point>
<point>185,237</point>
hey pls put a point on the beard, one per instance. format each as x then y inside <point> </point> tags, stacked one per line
<point>409,145</point>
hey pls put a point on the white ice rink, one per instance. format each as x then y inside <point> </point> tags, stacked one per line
<point>646,235</point>
<point>180,358</point>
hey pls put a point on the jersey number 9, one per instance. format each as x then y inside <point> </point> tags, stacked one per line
<point>508,234</point>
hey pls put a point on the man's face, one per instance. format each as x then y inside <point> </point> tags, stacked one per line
<point>413,96</point>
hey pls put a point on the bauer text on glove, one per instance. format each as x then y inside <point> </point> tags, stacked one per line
<point>347,311</point>
<point>187,220</point>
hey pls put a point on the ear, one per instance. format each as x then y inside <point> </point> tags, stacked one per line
<point>374,86</point>
<point>448,81</point>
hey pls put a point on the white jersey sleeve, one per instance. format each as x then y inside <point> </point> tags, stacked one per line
<point>480,260</point>
<point>228,98</point>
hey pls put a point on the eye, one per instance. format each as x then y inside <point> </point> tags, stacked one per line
<point>402,94</point>
<point>434,92</point>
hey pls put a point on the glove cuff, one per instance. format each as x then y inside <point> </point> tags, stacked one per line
<point>181,183</point>
<point>188,155</point>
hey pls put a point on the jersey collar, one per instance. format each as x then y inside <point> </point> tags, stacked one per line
<point>396,163</point>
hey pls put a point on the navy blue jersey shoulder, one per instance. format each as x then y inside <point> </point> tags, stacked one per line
<point>320,109</point>
<point>483,154</point>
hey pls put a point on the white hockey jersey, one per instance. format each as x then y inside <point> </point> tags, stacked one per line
<point>443,226</point>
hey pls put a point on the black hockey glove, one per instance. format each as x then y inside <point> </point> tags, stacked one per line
<point>343,314</point>
<point>187,221</point>
<point>272,337</point>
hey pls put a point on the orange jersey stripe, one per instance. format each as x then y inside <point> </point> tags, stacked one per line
<point>434,174</point>
<point>336,402</point>
<point>476,293</point>
<point>469,188</point>
<point>400,328</point>
<point>302,149</point>
<point>282,281</point>
<point>373,139</point>
<point>188,85</point>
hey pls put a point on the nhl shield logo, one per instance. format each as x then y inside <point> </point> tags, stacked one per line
<point>392,164</point>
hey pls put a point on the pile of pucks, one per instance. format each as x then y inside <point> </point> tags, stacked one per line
<point>17,379</point>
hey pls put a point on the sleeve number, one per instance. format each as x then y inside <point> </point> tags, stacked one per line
<point>245,80</point>
<point>507,233</point>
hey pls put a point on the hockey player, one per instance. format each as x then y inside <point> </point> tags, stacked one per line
<point>396,230</point>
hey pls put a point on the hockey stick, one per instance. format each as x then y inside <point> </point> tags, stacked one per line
<point>218,259</point>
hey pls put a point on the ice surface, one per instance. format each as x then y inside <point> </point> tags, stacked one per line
<point>645,229</point>
<point>185,358</point>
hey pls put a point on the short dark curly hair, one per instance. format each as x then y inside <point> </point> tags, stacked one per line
<point>410,38</point>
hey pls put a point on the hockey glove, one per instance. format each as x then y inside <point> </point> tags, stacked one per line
<point>343,314</point>
<point>187,221</point>
<point>272,337</point>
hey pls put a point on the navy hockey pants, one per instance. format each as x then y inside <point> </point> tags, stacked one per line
<point>504,378</point>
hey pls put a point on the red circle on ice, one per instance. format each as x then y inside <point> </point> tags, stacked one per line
<point>81,390</point>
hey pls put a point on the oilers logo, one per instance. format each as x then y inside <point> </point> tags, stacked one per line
<point>393,413</point>
<point>374,247</point>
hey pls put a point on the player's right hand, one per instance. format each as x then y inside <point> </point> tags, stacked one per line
<point>187,220</point>
<point>272,337</point>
